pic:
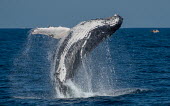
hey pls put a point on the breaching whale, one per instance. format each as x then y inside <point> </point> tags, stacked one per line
<point>76,43</point>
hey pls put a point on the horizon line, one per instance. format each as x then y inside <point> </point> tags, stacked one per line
<point>54,26</point>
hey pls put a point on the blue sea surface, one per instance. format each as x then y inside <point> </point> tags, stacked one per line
<point>140,60</point>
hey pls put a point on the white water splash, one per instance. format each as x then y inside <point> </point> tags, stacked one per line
<point>83,84</point>
<point>78,92</point>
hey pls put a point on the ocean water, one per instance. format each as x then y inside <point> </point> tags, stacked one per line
<point>132,67</point>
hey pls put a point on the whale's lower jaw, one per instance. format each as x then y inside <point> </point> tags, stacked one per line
<point>81,39</point>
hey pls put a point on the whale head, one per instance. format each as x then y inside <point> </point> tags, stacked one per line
<point>109,22</point>
<point>94,31</point>
<point>113,22</point>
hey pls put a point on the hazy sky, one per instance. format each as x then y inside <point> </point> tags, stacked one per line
<point>43,13</point>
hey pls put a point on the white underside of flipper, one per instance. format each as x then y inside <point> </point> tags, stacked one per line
<point>55,32</point>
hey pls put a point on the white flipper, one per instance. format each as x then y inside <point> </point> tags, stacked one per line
<point>55,32</point>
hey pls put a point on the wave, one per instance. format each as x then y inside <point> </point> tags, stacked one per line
<point>81,94</point>
<point>77,92</point>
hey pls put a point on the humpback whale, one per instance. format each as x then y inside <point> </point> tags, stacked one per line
<point>77,42</point>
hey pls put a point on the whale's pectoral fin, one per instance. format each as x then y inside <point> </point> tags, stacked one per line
<point>55,32</point>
